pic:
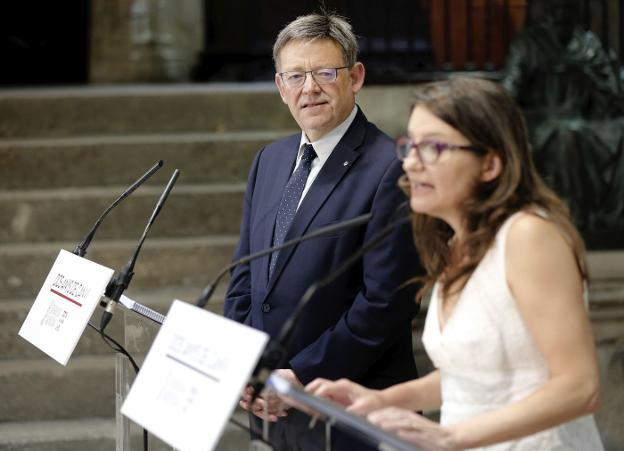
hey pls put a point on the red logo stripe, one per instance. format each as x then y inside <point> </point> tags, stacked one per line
<point>65,297</point>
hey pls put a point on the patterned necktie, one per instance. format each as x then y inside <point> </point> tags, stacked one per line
<point>290,200</point>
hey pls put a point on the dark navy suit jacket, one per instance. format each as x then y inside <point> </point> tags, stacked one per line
<point>359,327</point>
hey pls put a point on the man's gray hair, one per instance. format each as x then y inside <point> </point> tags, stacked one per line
<point>314,26</point>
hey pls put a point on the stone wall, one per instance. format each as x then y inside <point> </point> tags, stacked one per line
<point>144,40</point>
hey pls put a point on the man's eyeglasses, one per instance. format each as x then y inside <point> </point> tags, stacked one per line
<point>296,78</point>
<point>428,151</point>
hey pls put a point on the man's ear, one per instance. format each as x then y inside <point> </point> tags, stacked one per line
<point>492,167</point>
<point>280,87</point>
<point>357,74</point>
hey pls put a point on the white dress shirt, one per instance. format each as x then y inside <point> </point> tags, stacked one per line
<point>323,148</point>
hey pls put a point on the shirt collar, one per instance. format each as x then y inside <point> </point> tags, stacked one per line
<point>324,146</point>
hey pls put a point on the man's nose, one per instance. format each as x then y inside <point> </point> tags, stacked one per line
<point>310,84</point>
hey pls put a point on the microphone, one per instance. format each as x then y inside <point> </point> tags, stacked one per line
<point>274,356</point>
<point>159,318</point>
<point>141,309</point>
<point>209,290</point>
<point>118,285</point>
<point>81,248</point>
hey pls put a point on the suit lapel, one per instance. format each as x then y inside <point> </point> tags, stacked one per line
<point>334,169</point>
<point>283,170</point>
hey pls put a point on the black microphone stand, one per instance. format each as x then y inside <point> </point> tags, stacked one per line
<point>118,285</point>
<point>276,352</point>
<point>209,290</point>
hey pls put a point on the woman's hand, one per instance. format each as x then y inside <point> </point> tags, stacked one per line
<point>355,398</point>
<point>414,428</point>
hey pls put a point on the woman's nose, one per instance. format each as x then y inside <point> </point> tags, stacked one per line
<point>412,162</point>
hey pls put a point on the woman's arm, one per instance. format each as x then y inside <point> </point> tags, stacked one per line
<point>419,394</point>
<point>543,276</point>
<point>545,281</point>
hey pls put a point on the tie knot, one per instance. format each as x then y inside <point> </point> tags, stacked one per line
<point>308,153</point>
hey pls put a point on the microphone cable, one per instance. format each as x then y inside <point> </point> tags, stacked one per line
<point>118,348</point>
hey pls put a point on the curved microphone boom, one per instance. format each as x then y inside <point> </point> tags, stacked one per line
<point>118,285</point>
<point>333,228</point>
<point>288,327</point>
<point>276,351</point>
<point>81,248</point>
<point>158,318</point>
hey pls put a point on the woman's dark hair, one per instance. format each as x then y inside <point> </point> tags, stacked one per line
<point>489,118</point>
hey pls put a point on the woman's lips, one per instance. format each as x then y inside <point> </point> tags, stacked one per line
<point>419,188</point>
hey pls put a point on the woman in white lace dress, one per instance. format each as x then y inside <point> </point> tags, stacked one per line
<point>507,327</point>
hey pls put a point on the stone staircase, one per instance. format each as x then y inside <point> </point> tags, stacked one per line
<point>66,154</point>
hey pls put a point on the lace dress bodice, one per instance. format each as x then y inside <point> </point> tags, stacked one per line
<point>487,358</point>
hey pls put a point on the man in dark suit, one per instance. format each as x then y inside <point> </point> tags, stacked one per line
<point>340,166</point>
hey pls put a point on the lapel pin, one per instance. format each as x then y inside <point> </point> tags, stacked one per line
<point>345,163</point>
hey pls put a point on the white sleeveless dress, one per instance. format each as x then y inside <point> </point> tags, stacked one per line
<point>487,358</point>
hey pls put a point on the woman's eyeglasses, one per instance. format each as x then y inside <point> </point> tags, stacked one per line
<point>428,151</point>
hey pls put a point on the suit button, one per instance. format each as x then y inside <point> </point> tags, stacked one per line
<point>266,308</point>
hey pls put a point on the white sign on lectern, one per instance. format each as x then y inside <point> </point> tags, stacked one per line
<point>64,305</point>
<point>193,376</point>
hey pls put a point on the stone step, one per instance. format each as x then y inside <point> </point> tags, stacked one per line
<point>95,110</point>
<point>177,262</point>
<point>68,214</point>
<point>42,389</point>
<point>606,312</point>
<point>606,266</point>
<point>96,434</point>
<point>12,346</point>
<point>93,434</point>
<point>48,163</point>
<point>134,109</point>
<point>82,393</point>
<point>35,373</point>
<point>13,313</point>
<point>190,262</point>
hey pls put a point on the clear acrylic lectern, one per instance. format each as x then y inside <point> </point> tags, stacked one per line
<point>138,336</point>
<point>334,416</point>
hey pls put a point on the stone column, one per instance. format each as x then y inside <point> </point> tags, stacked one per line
<point>144,40</point>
